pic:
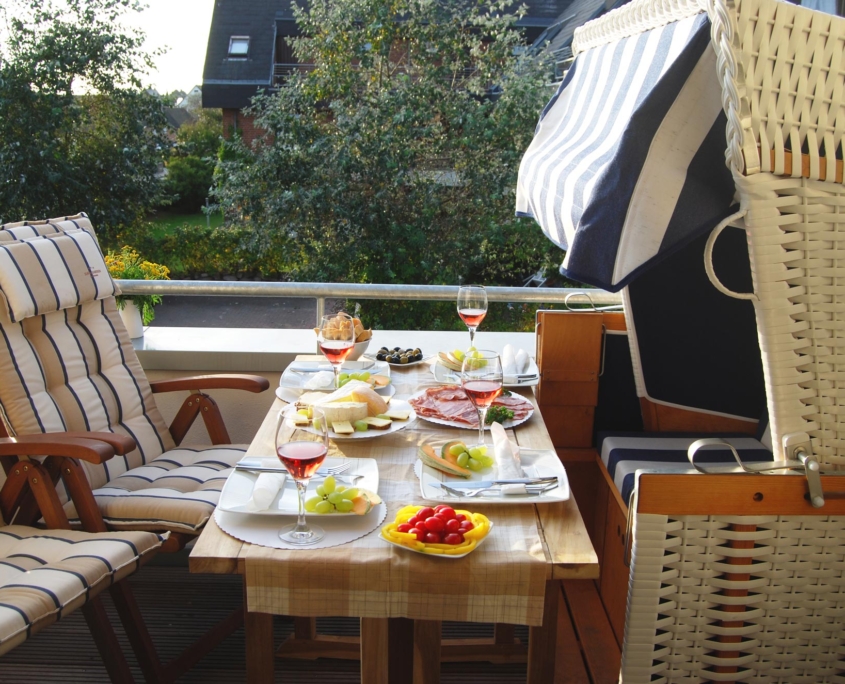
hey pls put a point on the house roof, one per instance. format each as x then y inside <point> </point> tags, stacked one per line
<point>557,39</point>
<point>177,116</point>
<point>230,83</point>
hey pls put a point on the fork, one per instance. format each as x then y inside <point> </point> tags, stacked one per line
<point>329,470</point>
<point>531,490</point>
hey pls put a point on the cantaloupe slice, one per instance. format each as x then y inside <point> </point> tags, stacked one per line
<point>374,498</point>
<point>428,456</point>
<point>379,380</point>
<point>361,504</point>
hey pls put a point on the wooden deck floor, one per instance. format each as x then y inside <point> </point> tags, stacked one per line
<point>178,607</point>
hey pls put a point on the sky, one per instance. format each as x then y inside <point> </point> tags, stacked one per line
<point>182,26</point>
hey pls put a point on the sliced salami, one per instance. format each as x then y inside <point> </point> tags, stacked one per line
<point>450,404</point>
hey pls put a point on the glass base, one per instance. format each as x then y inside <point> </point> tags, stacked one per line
<point>290,535</point>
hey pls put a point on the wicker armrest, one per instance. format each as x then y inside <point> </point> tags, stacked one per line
<point>250,383</point>
<point>71,445</point>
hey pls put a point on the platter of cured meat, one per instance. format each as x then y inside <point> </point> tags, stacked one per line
<point>449,405</point>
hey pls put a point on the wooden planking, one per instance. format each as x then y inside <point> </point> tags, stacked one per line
<point>542,641</point>
<point>569,664</point>
<point>215,552</point>
<point>805,165</point>
<point>374,650</point>
<point>427,637</point>
<point>598,643</point>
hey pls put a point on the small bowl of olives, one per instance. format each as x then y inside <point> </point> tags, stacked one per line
<point>398,356</point>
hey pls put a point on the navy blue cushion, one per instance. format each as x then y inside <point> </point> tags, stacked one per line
<point>623,453</point>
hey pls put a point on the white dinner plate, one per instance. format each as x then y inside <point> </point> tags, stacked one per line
<point>296,381</point>
<point>508,424</point>
<point>396,426</point>
<point>238,489</point>
<point>535,463</point>
<point>450,377</point>
<point>291,396</point>
<point>438,555</point>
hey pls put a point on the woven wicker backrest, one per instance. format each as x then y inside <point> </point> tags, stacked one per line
<point>746,586</point>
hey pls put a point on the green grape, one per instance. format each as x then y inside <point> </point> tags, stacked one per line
<point>344,505</point>
<point>339,488</point>
<point>311,504</point>
<point>349,494</point>
<point>317,423</point>
<point>475,452</point>
<point>360,425</point>
<point>341,383</point>
<point>342,376</point>
<point>302,412</point>
<point>463,459</point>
<point>472,464</point>
<point>321,491</point>
<point>354,376</point>
<point>324,507</point>
<point>334,497</point>
<point>328,484</point>
<point>482,449</point>
<point>364,375</point>
<point>457,449</point>
<point>487,461</point>
<point>458,354</point>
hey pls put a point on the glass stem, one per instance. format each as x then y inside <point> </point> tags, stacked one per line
<point>471,335</point>
<point>482,415</point>
<point>301,525</point>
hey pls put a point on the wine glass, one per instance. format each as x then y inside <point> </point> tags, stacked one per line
<point>481,377</point>
<point>472,307</point>
<point>302,453</point>
<point>337,339</point>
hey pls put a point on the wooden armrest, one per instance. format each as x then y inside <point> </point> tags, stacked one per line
<point>57,444</point>
<point>250,383</point>
<point>120,444</point>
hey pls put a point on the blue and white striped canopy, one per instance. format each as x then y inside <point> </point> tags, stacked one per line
<point>627,163</point>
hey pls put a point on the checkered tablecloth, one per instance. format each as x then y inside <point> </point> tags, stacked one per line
<point>503,581</point>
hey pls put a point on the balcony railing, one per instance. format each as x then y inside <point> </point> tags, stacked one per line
<point>571,297</point>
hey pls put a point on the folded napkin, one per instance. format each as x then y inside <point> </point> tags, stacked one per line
<point>267,485</point>
<point>309,367</point>
<point>507,460</point>
<point>514,363</point>
<point>321,380</point>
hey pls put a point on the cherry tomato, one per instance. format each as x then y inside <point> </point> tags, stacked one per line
<point>453,538</point>
<point>404,527</point>
<point>425,513</point>
<point>432,538</point>
<point>446,512</point>
<point>418,533</point>
<point>460,517</point>
<point>443,507</point>
<point>453,525</point>
<point>414,521</point>
<point>466,526</point>
<point>434,524</point>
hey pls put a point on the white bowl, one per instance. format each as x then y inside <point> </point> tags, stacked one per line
<point>360,348</point>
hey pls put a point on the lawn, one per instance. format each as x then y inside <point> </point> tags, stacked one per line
<point>164,222</point>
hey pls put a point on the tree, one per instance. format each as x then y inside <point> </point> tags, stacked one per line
<point>395,159</point>
<point>77,131</point>
<point>191,165</point>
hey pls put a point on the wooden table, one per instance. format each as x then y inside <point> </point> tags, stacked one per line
<point>389,640</point>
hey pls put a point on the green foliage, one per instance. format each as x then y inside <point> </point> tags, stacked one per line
<point>77,132</point>
<point>395,159</point>
<point>191,165</point>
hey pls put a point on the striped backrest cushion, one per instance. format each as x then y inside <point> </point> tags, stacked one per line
<point>52,272</point>
<point>9,232</point>
<point>627,162</point>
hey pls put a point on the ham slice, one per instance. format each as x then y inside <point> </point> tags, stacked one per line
<point>450,403</point>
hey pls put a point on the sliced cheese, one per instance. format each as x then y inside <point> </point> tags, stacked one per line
<point>398,415</point>
<point>344,411</point>
<point>378,423</point>
<point>343,427</point>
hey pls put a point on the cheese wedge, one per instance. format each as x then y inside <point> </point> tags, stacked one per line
<point>378,423</point>
<point>376,404</point>
<point>350,411</point>
<point>343,427</point>
<point>398,415</point>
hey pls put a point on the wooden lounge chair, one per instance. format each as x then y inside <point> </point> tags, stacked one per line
<point>68,368</point>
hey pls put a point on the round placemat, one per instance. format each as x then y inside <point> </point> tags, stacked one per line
<point>264,530</point>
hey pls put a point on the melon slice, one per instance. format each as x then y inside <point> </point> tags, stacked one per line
<point>374,498</point>
<point>447,455</point>
<point>361,504</point>
<point>428,456</point>
<point>450,361</point>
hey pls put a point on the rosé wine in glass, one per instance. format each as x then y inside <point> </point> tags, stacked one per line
<point>335,351</point>
<point>481,378</point>
<point>472,317</point>
<point>482,392</point>
<point>472,307</point>
<point>302,459</point>
<point>336,339</point>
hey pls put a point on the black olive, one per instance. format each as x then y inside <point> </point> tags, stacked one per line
<point>397,349</point>
<point>418,357</point>
<point>384,349</point>
<point>392,359</point>
<point>380,356</point>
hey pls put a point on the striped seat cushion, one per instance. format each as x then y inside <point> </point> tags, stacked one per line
<point>625,453</point>
<point>9,232</point>
<point>178,491</point>
<point>45,574</point>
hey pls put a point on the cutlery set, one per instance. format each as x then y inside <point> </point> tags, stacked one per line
<point>534,486</point>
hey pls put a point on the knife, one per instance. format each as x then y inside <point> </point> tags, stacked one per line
<point>325,367</point>
<point>477,484</point>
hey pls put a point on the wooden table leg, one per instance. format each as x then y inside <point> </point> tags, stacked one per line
<point>427,637</point>
<point>260,653</point>
<point>542,641</point>
<point>375,649</point>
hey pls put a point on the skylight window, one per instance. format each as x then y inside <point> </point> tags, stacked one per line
<point>238,47</point>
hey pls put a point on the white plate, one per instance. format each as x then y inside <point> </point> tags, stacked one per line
<point>292,380</point>
<point>535,463</point>
<point>437,555</point>
<point>238,489</point>
<point>291,396</point>
<point>447,376</point>
<point>508,424</point>
<point>397,425</point>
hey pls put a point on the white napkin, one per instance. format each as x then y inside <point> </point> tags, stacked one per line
<point>267,485</point>
<point>321,380</point>
<point>507,460</point>
<point>514,363</point>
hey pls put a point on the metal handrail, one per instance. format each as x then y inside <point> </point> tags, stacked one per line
<point>321,291</point>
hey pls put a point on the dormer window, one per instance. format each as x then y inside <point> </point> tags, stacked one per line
<point>238,47</point>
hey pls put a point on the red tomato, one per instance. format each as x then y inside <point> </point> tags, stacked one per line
<point>418,533</point>
<point>414,521</point>
<point>424,513</point>
<point>453,525</point>
<point>446,512</point>
<point>434,524</point>
<point>432,538</point>
<point>404,527</point>
<point>453,538</point>
<point>460,517</point>
<point>466,526</point>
